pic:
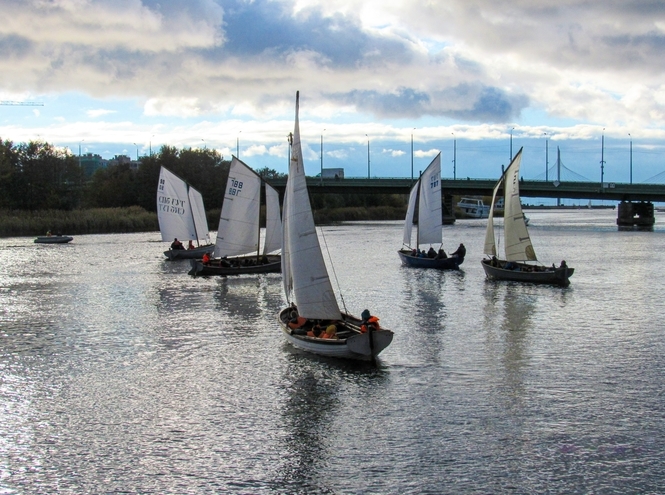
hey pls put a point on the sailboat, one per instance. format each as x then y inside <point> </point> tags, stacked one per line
<point>181,216</point>
<point>239,234</point>
<point>517,243</point>
<point>426,192</point>
<point>312,301</point>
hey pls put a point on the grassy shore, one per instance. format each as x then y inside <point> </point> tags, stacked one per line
<point>136,219</point>
<point>92,221</point>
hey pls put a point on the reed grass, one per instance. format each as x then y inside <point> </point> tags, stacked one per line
<point>136,219</point>
<point>88,221</point>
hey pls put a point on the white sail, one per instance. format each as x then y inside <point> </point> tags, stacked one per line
<point>429,207</point>
<point>176,211</point>
<point>516,235</point>
<point>198,215</point>
<point>408,221</point>
<point>273,240</point>
<point>238,231</point>
<point>312,291</point>
<point>490,241</point>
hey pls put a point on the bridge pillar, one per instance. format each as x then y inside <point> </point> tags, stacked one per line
<point>447,209</point>
<point>636,214</point>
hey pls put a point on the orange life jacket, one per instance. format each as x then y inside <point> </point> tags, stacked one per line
<point>297,324</point>
<point>373,322</point>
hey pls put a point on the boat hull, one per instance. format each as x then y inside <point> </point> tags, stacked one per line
<point>274,265</point>
<point>450,263</point>
<point>54,239</point>
<point>189,254</point>
<point>355,345</point>
<point>551,276</point>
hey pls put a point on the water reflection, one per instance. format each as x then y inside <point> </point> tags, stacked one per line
<point>315,412</point>
<point>248,297</point>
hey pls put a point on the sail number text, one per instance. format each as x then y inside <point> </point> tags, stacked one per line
<point>171,205</point>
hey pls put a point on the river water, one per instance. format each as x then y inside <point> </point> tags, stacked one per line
<point>120,373</point>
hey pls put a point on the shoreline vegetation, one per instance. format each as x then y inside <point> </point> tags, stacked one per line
<point>19,223</point>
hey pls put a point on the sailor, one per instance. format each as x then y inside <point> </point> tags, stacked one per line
<point>176,244</point>
<point>369,322</point>
<point>460,252</point>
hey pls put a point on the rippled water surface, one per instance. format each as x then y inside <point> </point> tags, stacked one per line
<point>122,374</point>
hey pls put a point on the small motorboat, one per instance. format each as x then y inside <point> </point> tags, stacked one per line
<point>54,239</point>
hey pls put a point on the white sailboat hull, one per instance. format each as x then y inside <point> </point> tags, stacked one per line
<point>358,346</point>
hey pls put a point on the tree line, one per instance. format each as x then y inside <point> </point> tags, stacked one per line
<point>43,187</point>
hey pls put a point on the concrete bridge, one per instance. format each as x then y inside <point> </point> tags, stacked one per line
<point>628,194</point>
<point>610,191</point>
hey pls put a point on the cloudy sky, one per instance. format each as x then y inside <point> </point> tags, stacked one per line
<point>127,76</point>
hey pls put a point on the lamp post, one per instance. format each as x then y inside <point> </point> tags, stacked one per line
<point>368,173</point>
<point>412,155</point>
<point>321,181</point>
<point>511,145</point>
<point>137,151</point>
<point>80,151</point>
<point>631,158</point>
<point>204,143</point>
<point>602,158</point>
<point>454,157</point>
<point>150,144</point>
<point>546,158</point>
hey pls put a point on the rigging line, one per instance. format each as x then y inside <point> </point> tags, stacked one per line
<point>332,265</point>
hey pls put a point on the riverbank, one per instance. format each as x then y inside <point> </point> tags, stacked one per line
<point>137,219</point>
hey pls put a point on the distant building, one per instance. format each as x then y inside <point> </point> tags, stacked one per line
<point>333,173</point>
<point>124,159</point>
<point>91,163</point>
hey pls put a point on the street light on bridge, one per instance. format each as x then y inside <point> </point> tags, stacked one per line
<point>631,158</point>
<point>368,174</point>
<point>511,145</point>
<point>602,158</point>
<point>454,156</point>
<point>321,182</point>
<point>412,154</point>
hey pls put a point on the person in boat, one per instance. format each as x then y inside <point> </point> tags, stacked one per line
<point>460,252</point>
<point>563,264</point>
<point>48,233</point>
<point>190,245</point>
<point>441,255</point>
<point>296,321</point>
<point>176,244</point>
<point>316,330</point>
<point>330,332</point>
<point>431,253</point>
<point>206,258</point>
<point>369,322</point>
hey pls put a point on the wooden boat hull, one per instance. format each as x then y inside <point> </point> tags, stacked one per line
<point>54,239</point>
<point>189,254</point>
<point>450,263</point>
<point>551,276</point>
<point>274,265</point>
<point>352,344</point>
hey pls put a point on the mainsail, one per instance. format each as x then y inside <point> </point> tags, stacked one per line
<point>180,209</point>
<point>428,192</point>
<point>239,232</point>
<point>517,242</point>
<point>303,267</point>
